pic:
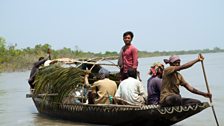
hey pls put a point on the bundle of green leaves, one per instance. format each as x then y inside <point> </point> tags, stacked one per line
<point>56,79</point>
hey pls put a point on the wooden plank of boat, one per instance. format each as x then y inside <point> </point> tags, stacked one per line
<point>40,95</point>
<point>74,61</point>
<point>113,114</point>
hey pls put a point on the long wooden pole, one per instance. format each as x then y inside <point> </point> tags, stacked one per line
<point>210,99</point>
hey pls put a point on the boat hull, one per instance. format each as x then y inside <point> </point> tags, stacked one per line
<point>119,114</point>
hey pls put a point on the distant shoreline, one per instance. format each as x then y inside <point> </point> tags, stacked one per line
<point>14,60</point>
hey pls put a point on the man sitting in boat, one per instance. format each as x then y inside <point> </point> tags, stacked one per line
<point>102,90</point>
<point>172,79</point>
<point>154,83</point>
<point>35,69</point>
<point>131,89</point>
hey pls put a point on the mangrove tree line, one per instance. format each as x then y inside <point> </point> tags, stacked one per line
<point>13,59</point>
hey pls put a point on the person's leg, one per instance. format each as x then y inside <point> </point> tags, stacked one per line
<point>186,101</point>
<point>30,81</point>
<point>90,97</point>
<point>172,100</point>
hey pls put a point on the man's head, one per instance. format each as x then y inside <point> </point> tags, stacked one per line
<point>127,37</point>
<point>156,69</point>
<point>132,73</point>
<point>40,58</point>
<point>103,73</point>
<point>174,60</point>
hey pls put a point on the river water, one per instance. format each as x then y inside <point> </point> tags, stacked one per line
<point>17,110</point>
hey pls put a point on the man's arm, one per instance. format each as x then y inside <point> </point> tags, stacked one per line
<point>189,64</point>
<point>159,84</point>
<point>135,58</point>
<point>86,81</point>
<point>117,94</point>
<point>195,91</point>
<point>142,90</point>
<point>120,59</point>
<point>38,63</point>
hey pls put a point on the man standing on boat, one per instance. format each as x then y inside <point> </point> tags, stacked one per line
<point>35,69</point>
<point>172,79</point>
<point>128,57</point>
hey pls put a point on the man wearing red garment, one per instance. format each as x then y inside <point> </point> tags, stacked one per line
<point>128,55</point>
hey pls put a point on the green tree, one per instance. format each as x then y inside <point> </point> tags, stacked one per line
<point>2,50</point>
<point>2,44</point>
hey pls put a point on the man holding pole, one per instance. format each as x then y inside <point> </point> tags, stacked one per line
<point>210,99</point>
<point>172,79</point>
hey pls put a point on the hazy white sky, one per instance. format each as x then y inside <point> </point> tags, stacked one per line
<point>98,25</point>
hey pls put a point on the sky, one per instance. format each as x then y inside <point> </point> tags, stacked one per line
<point>98,25</point>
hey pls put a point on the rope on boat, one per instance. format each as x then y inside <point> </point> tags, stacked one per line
<point>180,109</point>
<point>106,108</point>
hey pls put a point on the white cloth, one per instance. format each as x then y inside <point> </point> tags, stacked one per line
<point>131,90</point>
<point>47,63</point>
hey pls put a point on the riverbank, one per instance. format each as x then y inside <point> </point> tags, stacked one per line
<point>13,59</point>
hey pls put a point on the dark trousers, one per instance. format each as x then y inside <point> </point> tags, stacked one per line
<point>30,81</point>
<point>177,100</point>
<point>123,75</point>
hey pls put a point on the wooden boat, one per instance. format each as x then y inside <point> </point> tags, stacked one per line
<point>112,114</point>
<point>115,114</point>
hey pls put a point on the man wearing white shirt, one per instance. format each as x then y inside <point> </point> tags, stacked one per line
<point>131,89</point>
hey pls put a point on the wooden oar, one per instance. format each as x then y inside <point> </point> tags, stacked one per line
<point>210,99</point>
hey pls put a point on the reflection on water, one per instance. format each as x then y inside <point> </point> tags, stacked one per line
<point>16,110</point>
<point>2,92</point>
<point>47,121</point>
